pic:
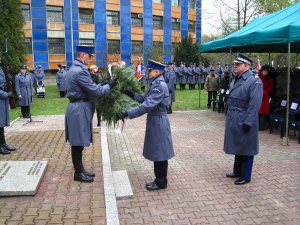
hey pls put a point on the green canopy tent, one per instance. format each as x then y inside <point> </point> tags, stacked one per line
<point>276,32</point>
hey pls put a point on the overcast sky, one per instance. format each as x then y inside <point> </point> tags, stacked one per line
<point>209,16</point>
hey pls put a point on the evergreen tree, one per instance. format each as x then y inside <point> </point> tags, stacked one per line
<point>12,43</point>
<point>187,51</point>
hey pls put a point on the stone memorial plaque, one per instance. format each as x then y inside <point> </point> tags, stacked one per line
<point>21,177</point>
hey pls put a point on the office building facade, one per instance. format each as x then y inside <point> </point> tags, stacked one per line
<point>119,29</point>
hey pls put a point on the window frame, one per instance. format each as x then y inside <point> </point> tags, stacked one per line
<point>140,51</point>
<point>113,16</point>
<point>23,9</point>
<point>89,16</point>
<point>161,20</point>
<point>109,50</point>
<point>134,16</point>
<point>51,10</point>
<point>62,49</point>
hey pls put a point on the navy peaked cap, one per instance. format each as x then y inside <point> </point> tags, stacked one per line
<point>86,48</point>
<point>155,65</point>
<point>23,67</point>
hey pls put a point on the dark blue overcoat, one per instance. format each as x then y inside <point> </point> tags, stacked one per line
<point>243,102</point>
<point>4,112</point>
<point>81,91</point>
<point>23,83</point>
<point>158,145</point>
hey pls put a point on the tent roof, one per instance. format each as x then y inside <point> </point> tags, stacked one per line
<point>269,33</point>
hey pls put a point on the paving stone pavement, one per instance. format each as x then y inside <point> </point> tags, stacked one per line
<point>198,191</point>
<point>59,199</point>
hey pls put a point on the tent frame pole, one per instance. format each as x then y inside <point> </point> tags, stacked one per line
<point>285,139</point>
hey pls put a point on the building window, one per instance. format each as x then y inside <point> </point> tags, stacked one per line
<point>28,44</point>
<point>56,46</point>
<point>86,16</point>
<point>191,4</point>
<point>192,26</point>
<point>175,24</point>
<point>176,3</point>
<point>136,20</point>
<point>55,14</point>
<point>89,42</point>
<point>157,22</point>
<point>113,47</point>
<point>113,18</point>
<point>157,1</point>
<point>137,47</point>
<point>158,45</point>
<point>26,12</point>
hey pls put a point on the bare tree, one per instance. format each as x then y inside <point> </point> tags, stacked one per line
<point>237,14</point>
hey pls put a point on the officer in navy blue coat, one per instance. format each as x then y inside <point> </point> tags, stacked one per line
<point>24,90</point>
<point>4,114</point>
<point>241,131</point>
<point>61,79</point>
<point>81,91</point>
<point>158,145</point>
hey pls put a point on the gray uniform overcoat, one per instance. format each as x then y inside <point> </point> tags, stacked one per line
<point>38,76</point>
<point>243,102</point>
<point>158,145</point>
<point>23,83</point>
<point>81,91</point>
<point>4,112</point>
<point>61,80</point>
<point>170,78</point>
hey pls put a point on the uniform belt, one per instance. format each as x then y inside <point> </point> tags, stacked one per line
<point>236,109</point>
<point>79,100</point>
<point>157,113</point>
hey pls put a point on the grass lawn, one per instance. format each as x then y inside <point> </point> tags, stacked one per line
<point>52,104</point>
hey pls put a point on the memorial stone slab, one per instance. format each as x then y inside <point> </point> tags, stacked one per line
<point>21,177</point>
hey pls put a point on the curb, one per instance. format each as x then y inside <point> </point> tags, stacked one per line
<point>112,216</point>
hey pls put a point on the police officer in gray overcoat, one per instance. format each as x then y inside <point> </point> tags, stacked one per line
<point>38,76</point>
<point>4,114</point>
<point>241,131</point>
<point>158,145</point>
<point>170,79</point>
<point>81,91</point>
<point>61,79</point>
<point>24,90</point>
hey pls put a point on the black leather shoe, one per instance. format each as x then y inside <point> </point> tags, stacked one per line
<point>232,175</point>
<point>9,148</point>
<point>241,181</point>
<point>3,151</point>
<point>83,178</point>
<point>152,186</point>
<point>89,174</point>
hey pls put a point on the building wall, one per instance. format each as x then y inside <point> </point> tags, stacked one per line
<point>71,30</point>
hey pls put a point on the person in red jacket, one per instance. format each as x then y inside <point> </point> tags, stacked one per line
<point>267,82</point>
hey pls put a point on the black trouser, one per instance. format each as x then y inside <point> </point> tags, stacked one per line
<point>76,152</point>
<point>212,96</point>
<point>62,94</point>
<point>2,138</point>
<point>262,121</point>
<point>25,111</point>
<point>98,113</point>
<point>243,166</point>
<point>161,172</point>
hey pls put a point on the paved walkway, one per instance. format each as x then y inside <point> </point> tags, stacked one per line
<point>198,191</point>
<point>59,199</point>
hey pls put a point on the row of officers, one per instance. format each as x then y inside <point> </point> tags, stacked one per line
<point>190,74</point>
